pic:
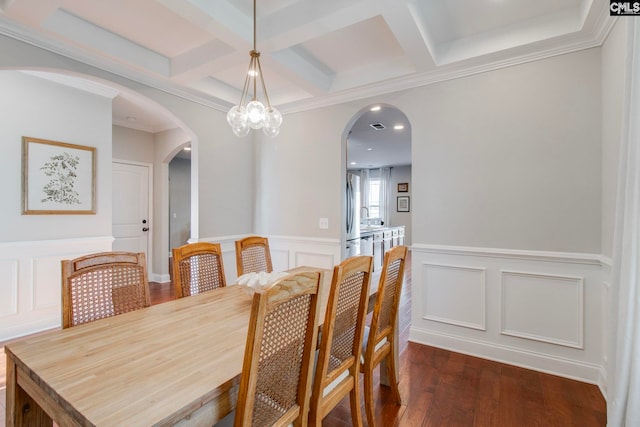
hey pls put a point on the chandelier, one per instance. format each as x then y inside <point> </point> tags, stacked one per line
<point>254,114</point>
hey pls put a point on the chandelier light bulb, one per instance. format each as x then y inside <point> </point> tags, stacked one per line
<point>241,129</point>
<point>273,118</point>
<point>271,131</point>
<point>255,114</point>
<point>236,116</point>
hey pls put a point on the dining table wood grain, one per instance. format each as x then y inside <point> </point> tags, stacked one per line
<point>175,363</point>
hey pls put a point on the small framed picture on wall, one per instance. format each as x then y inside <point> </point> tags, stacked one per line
<point>58,178</point>
<point>403,187</point>
<point>403,204</point>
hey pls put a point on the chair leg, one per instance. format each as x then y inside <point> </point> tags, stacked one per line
<point>368,394</point>
<point>393,378</point>
<point>315,418</point>
<point>354,401</point>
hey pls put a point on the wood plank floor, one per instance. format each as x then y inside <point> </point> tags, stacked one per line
<point>443,388</point>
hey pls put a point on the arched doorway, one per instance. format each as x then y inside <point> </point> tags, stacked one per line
<point>378,181</point>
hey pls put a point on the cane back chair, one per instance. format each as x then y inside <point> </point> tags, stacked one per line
<point>278,361</point>
<point>338,365</point>
<point>197,268</point>
<point>380,337</point>
<point>102,285</point>
<point>253,255</point>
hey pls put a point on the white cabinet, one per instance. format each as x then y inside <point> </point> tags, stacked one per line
<point>381,241</point>
<point>377,251</point>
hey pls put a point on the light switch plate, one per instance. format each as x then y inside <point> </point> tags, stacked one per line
<point>324,223</point>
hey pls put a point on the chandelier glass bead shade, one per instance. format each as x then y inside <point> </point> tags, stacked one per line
<point>253,114</point>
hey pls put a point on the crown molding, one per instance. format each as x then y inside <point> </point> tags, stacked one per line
<point>80,84</point>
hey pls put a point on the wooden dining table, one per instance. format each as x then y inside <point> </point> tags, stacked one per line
<point>175,363</point>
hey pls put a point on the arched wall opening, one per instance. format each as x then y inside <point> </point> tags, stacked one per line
<point>376,142</point>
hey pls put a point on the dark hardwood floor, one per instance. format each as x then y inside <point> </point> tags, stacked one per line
<point>443,388</point>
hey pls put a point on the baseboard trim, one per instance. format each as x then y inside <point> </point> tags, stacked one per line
<point>572,369</point>
<point>160,278</point>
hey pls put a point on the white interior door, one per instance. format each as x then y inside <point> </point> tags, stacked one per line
<point>130,219</point>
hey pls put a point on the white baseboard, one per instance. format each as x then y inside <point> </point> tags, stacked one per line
<point>554,365</point>
<point>160,278</point>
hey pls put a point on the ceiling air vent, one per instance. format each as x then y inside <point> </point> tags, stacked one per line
<point>377,126</point>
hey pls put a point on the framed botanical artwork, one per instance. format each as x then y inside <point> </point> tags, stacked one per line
<point>403,187</point>
<point>57,178</point>
<point>403,204</point>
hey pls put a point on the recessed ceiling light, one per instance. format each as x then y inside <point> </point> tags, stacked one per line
<point>187,148</point>
<point>369,149</point>
<point>398,127</point>
<point>352,163</point>
<point>376,108</point>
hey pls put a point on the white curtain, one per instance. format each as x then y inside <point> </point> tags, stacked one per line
<point>385,194</point>
<point>624,397</point>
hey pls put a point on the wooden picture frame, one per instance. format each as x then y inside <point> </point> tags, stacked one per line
<point>403,187</point>
<point>57,178</point>
<point>403,204</point>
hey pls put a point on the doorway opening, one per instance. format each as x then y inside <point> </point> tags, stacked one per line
<point>377,201</point>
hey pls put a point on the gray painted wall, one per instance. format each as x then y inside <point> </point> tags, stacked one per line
<point>613,66</point>
<point>179,202</point>
<point>505,159</point>
<point>37,108</point>
<point>131,144</point>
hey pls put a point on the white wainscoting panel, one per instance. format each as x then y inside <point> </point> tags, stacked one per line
<point>280,258</point>
<point>30,298</point>
<point>304,251</point>
<point>9,290</point>
<point>454,294</point>
<point>542,310</point>
<point>548,308</point>
<point>47,290</point>
<point>314,259</point>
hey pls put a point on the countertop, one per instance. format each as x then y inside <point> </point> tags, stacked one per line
<point>366,231</point>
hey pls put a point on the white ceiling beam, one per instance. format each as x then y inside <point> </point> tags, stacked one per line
<point>92,37</point>
<point>301,62</point>
<point>286,29</point>
<point>399,16</point>
<point>200,56</point>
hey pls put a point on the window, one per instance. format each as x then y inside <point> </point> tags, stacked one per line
<point>374,198</point>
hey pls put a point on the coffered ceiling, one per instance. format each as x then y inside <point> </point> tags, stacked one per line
<point>313,52</point>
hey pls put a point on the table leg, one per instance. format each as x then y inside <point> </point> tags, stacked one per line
<point>21,409</point>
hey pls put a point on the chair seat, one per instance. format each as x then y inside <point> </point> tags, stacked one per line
<point>365,342</point>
